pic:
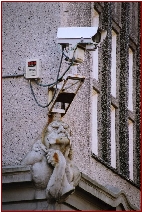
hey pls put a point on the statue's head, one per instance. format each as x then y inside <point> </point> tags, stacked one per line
<point>59,128</point>
<point>57,136</point>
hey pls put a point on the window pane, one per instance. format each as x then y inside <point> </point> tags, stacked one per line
<point>94,123</point>
<point>113,142</point>
<point>95,53</point>
<point>130,126</point>
<point>113,65</point>
<point>130,96</point>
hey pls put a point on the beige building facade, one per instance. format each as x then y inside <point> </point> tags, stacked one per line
<point>104,116</point>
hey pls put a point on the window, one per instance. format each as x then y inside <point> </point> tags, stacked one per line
<point>115,103</point>
<point>94,123</point>
<point>130,107</point>
<point>95,53</point>
<point>113,142</point>
<point>113,65</point>
<point>130,127</point>
<point>130,92</point>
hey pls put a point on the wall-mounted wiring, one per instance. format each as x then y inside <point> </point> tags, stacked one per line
<point>55,83</point>
<point>73,45</point>
<point>58,79</point>
<point>14,75</point>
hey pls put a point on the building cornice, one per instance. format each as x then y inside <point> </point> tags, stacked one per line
<point>22,174</point>
<point>109,194</point>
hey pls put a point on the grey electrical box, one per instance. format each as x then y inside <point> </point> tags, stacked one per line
<point>32,68</point>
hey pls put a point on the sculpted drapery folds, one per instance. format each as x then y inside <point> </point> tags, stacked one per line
<point>51,160</point>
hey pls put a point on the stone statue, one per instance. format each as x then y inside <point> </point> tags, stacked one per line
<point>51,160</point>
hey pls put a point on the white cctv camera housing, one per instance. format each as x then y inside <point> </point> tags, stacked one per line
<point>87,37</point>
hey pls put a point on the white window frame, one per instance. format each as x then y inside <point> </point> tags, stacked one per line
<point>130,89</point>
<point>113,64</point>
<point>113,138</point>
<point>95,23</point>
<point>94,123</point>
<point>131,156</point>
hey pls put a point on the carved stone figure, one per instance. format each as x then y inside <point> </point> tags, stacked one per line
<point>51,160</point>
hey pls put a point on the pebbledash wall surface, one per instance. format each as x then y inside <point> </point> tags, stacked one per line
<point>29,30</point>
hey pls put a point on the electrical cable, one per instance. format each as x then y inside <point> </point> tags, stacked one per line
<point>35,97</point>
<point>46,85</point>
<point>73,59</point>
<point>59,79</point>
<point>52,83</point>
<point>56,81</point>
<point>14,75</point>
<point>66,57</point>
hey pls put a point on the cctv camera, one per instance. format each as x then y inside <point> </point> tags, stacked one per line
<point>84,36</point>
<point>75,40</point>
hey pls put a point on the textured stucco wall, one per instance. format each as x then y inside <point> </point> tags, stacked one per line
<point>29,30</point>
